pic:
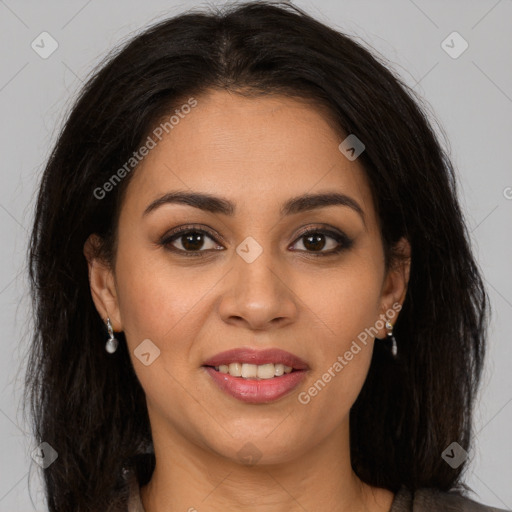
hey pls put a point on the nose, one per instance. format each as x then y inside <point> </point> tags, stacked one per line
<point>258,295</point>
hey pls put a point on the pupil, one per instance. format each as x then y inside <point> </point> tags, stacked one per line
<point>193,241</point>
<point>316,241</point>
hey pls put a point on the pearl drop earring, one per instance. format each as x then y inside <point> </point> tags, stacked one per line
<point>394,348</point>
<point>112,343</point>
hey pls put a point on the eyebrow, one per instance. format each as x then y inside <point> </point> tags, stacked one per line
<point>215,204</point>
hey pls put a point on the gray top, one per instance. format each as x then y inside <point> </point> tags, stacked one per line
<point>422,500</point>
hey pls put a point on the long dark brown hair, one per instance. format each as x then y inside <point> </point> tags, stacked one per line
<point>91,408</point>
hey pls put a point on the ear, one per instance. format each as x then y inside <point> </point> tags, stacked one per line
<point>395,284</point>
<point>102,283</point>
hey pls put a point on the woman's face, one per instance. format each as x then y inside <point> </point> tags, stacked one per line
<point>254,281</point>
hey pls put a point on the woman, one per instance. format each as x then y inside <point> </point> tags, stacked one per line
<point>252,281</point>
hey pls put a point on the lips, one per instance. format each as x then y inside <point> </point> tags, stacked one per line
<point>253,391</point>
<point>257,357</point>
<point>256,391</point>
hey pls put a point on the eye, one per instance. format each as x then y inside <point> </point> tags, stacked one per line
<point>316,240</point>
<point>194,241</point>
<point>190,241</point>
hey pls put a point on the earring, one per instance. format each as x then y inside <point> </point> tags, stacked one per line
<point>394,348</point>
<point>112,343</point>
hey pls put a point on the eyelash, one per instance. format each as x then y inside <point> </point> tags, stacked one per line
<point>342,239</point>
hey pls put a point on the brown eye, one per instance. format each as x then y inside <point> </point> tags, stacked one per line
<point>315,241</point>
<point>190,242</point>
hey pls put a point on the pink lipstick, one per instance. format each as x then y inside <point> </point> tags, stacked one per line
<point>256,376</point>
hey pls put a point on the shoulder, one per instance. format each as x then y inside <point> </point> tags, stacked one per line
<point>431,500</point>
<point>450,500</point>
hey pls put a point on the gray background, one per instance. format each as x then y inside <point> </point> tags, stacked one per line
<point>471,97</point>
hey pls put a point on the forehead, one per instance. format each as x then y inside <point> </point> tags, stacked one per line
<point>257,151</point>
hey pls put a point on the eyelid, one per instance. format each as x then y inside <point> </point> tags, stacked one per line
<point>191,227</point>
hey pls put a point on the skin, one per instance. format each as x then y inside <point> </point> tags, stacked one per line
<point>257,153</point>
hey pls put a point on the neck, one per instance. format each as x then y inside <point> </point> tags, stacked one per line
<point>188,477</point>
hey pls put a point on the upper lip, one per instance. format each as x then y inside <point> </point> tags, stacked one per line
<point>257,357</point>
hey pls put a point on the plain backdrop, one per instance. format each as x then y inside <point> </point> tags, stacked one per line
<point>470,96</point>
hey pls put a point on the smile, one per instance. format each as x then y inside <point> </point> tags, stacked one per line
<point>256,376</point>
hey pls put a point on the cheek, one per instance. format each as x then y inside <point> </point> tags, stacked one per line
<point>161,304</point>
<point>343,302</point>
<point>343,357</point>
<point>344,311</point>
<point>156,298</point>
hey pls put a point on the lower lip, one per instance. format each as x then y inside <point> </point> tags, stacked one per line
<point>256,391</point>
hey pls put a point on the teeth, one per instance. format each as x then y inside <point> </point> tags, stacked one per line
<point>235,369</point>
<point>265,371</point>
<point>249,371</point>
<point>253,371</point>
